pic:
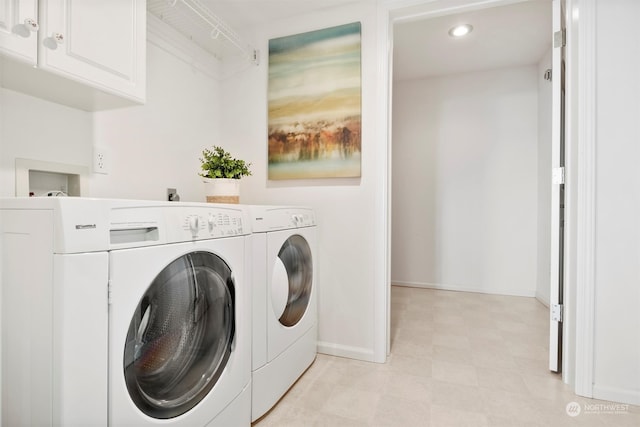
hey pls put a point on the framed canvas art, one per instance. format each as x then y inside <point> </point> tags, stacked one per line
<point>314,99</point>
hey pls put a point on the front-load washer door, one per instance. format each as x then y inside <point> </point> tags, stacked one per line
<point>180,336</point>
<point>292,280</point>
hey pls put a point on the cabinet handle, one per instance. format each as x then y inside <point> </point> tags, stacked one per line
<point>58,37</point>
<point>54,41</point>
<point>31,25</point>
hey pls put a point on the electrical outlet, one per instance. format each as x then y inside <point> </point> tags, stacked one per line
<point>172,195</point>
<point>100,160</point>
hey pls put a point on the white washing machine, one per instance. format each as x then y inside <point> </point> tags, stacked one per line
<point>122,312</point>
<point>284,334</point>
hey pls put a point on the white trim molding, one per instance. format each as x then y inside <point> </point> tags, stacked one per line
<point>350,352</point>
<point>585,263</point>
<point>614,394</point>
<point>382,293</point>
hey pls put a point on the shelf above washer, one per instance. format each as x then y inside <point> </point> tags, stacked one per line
<point>196,22</point>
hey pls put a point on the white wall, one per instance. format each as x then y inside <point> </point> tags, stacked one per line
<point>617,281</point>
<point>40,130</point>
<point>150,147</point>
<point>544,180</point>
<point>158,145</point>
<point>465,182</point>
<point>345,207</point>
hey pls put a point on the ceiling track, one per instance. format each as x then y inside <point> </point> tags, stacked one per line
<point>198,23</point>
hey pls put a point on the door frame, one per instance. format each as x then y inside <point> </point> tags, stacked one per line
<point>558,191</point>
<point>582,26</point>
<point>578,342</point>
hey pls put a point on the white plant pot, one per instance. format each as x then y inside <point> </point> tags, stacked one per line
<point>222,190</point>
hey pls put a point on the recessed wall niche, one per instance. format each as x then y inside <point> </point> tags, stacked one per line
<point>41,178</point>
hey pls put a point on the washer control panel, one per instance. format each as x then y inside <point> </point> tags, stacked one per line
<point>152,224</point>
<point>209,223</point>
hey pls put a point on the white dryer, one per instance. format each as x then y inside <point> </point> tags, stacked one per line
<point>122,312</point>
<point>284,333</point>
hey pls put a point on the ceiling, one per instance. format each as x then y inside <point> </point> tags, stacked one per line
<point>504,36</point>
<point>241,13</point>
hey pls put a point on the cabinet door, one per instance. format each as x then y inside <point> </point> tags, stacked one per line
<point>96,42</point>
<point>18,29</point>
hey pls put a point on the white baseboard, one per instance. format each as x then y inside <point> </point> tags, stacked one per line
<point>543,299</point>
<point>458,288</point>
<point>339,350</point>
<point>614,394</point>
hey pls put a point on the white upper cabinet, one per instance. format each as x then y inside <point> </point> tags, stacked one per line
<point>19,29</point>
<point>100,44</point>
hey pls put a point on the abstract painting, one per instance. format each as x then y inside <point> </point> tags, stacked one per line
<point>314,98</point>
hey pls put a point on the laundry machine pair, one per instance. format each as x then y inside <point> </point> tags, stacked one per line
<point>119,312</point>
<point>284,301</point>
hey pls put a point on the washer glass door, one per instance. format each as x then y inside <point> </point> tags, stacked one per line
<point>179,339</point>
<point>291,282</point>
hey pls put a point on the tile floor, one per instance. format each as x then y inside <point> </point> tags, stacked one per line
<point>457,359</point>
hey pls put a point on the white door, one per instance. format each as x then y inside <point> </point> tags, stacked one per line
<point>19,29</point>
<point>101,43</point>
<point>557,190</point>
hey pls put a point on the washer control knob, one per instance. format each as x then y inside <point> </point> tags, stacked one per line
<point>211,222</point>
<point>194,225</point>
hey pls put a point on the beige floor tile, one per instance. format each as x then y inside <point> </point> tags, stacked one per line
<point>528,366</point>
<point>457,359</point>
<point>277,415</point>
<point>456,373</point>
<point>494,357</point>
<point>356,374</point>
<point>394,411</point>
<point>409,387</point>
<point>410,365</point>
<point>499,379</point>
<point>352,403</point>
<point>330,420</point>
<point>446,339</point>
<point>517,407</point>
<point>447,417</point>
<point>315,396</point>
<point>548,386</point>
<point>448,354</point>
<point>420,350</point>
<point>494,421</point>
<point>457,397</point>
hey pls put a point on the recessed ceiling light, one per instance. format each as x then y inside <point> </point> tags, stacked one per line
<point>460,30</point>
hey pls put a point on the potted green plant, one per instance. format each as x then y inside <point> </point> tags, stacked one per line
<point>222,174</point>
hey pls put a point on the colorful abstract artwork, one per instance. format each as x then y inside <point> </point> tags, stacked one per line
<point>314,98</point>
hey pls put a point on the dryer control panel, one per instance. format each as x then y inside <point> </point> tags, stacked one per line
<point>271,218</point>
